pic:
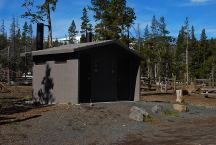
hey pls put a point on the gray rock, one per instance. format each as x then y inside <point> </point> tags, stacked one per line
<point>141,110</point>
<point>157,109</point>
<point>180,108</point>
<point>138,114</point>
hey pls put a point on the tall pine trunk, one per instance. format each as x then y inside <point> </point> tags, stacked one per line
<point>49,28</point>
<point>213,79</point>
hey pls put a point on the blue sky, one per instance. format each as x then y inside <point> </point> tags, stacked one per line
<point>201,14</point>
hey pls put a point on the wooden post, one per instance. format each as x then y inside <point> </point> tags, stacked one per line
<point>8,69</point>
<point>213,84</point>
<point>174,82</point>
<point>187,64</point>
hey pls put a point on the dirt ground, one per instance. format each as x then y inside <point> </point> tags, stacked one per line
<point>17,92</point>
<point>12,102</point>
<point>108,123</point>
<point>197,100</point>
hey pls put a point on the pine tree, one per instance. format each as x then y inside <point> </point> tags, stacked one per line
<point>31,47</point>
<point>194,52</point>
<point>193,39</point>
<point>2,29</point>
<point>146,51</point>
<point>25,37</point>
<point>146,33</point>
<point>114,18</point>
<point>12,38</point>
<point>85,26</point>
<point>179,55</point>
<point>56,43</point>
<point>207,68</point>
<point>203,46</point>
<point>182,55</point>
<point>3,36</point>
<point>15,45</point>
<point>72,32</point>
<point>212,47</point>
<point>30,31</point>
<point>212,57</point>
<point>162,27</point>
<point>154,27</point>
<point>165,57</point>
<point>186,25</point>
<point>30,38</point>
<point>18,40</point>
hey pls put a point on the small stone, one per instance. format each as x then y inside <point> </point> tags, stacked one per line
<point>138,114</point>
<point>180,108</point>
<point>91,104</point>
<point>157,109</point>
<point>29,102</point>
<point>141,110</point>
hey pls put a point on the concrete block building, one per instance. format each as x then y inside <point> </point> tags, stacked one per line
<point>102,71</point>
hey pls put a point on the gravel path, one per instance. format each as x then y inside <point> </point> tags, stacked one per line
<point>108,123</point>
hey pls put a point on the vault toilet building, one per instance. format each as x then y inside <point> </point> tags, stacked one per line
<point>88,72</point>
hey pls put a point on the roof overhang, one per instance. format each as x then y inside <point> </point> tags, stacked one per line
<point>84,46</point>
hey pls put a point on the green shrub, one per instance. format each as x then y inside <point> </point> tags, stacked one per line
<point>148,118</point>
<point>170,113</point>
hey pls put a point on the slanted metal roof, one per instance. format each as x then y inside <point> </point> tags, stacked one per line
<point>70,48</point>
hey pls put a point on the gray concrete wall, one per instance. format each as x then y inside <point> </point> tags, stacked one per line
<point>137,88</point>
<point>64,76</point>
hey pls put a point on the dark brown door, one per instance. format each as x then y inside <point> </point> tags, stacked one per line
<point>85,79</point>
<point>104,79</point>
<point>123,78</point>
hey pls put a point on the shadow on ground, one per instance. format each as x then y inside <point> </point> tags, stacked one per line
<point>14,110</point>
<point>12,105</point>
<point>10,120</point>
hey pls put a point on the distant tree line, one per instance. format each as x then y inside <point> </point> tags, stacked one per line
<point>168,57</point>
<point>13,44</point>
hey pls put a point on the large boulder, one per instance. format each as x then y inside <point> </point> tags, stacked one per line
<point>180,107</point>
<point>138,114</point>
<point>157,109</point>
